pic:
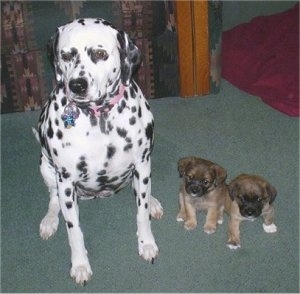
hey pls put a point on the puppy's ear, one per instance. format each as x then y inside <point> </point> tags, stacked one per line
<point>271,192</point>
<point>221,174</point>
<point>52,55</point>
<point>233,189</point>
<point>182,165</point>
<point>130,57</point>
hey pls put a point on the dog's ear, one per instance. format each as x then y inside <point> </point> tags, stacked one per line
<point>221,174</point>
<point>130,57</point>
<point>52,55</point>
<point>233,189</point>
<point>271,192</point>
<point>182,165</point>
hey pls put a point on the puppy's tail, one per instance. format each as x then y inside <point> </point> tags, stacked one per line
<point>36,134</point>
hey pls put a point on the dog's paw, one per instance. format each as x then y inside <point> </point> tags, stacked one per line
<point>190,225</point>
<point>209,229</point>
<point>233,245</point>
<point>148,251</point>
<point>48,226</point>
<point>220,221</point>
<point>81,273</point>
<point>270,228</point>
<point>156,209</point>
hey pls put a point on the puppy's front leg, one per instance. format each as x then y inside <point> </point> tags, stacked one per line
<point>233,233</point>
<point>181,216</point>
<point>268,225</point>
<point>142,191</point>
<point>211,220</point>
<point>191,216</point>
<point>80,270</point>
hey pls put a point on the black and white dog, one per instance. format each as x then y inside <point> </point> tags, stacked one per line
<point>96,133</point>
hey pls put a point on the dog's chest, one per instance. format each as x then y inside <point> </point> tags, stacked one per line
<point>98,151</point>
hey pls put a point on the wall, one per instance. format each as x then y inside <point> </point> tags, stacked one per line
<point>236,12</point>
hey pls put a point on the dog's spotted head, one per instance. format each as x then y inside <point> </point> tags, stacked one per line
<point>91,59</point>
<point>251,193</point>
<point>200,176</point>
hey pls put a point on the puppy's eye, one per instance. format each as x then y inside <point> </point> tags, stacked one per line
<point>100,54</point>
<point>188,178</point>
<point>66,56</point>
<point>205,182</point>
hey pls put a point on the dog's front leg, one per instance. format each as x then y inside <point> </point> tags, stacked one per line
<point>80,269</point>
<point>142,190</point>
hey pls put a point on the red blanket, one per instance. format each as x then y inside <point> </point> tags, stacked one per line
<point>262,58</point>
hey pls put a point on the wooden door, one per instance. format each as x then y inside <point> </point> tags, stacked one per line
<point>193,47</point>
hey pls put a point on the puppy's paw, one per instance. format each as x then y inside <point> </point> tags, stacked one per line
<point>220,221</point>
<point>233,245</point>
<point>270,228</point>
<point>209,229</point>
<point>190,225</point>
<point>148,251</point>
<point>48,226</point>
<point>180,217</point>
<point>156,209</point>
<point>81,273</point>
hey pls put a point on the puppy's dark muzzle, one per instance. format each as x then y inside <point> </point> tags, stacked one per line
<point>195,190</point>
<point>250,212</point>
<point>78,86</point>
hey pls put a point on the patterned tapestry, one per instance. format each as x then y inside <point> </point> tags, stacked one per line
<point>27,77</point>
<point>26,26</point>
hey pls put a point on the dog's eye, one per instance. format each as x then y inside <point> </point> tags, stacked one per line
<point>205,182</point>
<point>100,54</point>
<point>188,178</point>
<point>66,56</point>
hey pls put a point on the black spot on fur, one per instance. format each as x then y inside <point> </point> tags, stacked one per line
<point>69,204</point>
<point>132,92</point>
<point>64,101</point>
<point>55,151</point>
<point>81,21</point>
<point>121,132</point>
<point>50,130</point>
<point>111,150</point>
<point>146,180</point>
<point>136,174</point>
<point>143,195</point>
<point>68,192</point>
<point>132,120</point>
<point>59,134</point>
<point>127,147</point>
<point>65,174</point>
<point>149,131</point>
<point>70,225</point>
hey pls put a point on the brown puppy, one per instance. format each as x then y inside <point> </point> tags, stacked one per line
<point>202,188</point>
<point>249,197</point>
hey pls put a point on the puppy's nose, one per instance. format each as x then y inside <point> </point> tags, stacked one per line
<point>249,211</point>
<point>78,86</point>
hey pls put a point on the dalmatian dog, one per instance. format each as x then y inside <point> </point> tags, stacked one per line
<point>96,133</point>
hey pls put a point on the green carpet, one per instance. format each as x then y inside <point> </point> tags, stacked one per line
<point>234,129</point>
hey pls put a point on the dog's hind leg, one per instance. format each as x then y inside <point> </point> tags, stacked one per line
<point>49,223</point>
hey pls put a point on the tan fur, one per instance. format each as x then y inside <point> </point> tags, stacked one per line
<point>211,201</point>
<point>252,186</point>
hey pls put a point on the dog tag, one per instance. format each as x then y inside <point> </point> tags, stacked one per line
<point>71,113</point>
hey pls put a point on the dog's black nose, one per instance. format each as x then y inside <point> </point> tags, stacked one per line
<point>78,86</point>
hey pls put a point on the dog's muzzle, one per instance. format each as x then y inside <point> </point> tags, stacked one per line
<point>195,189</point>
<point>78,86</point>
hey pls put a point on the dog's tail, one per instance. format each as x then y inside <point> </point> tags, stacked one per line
<point>36,134</point>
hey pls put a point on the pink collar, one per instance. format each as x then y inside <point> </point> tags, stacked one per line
<point>97,110</point>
